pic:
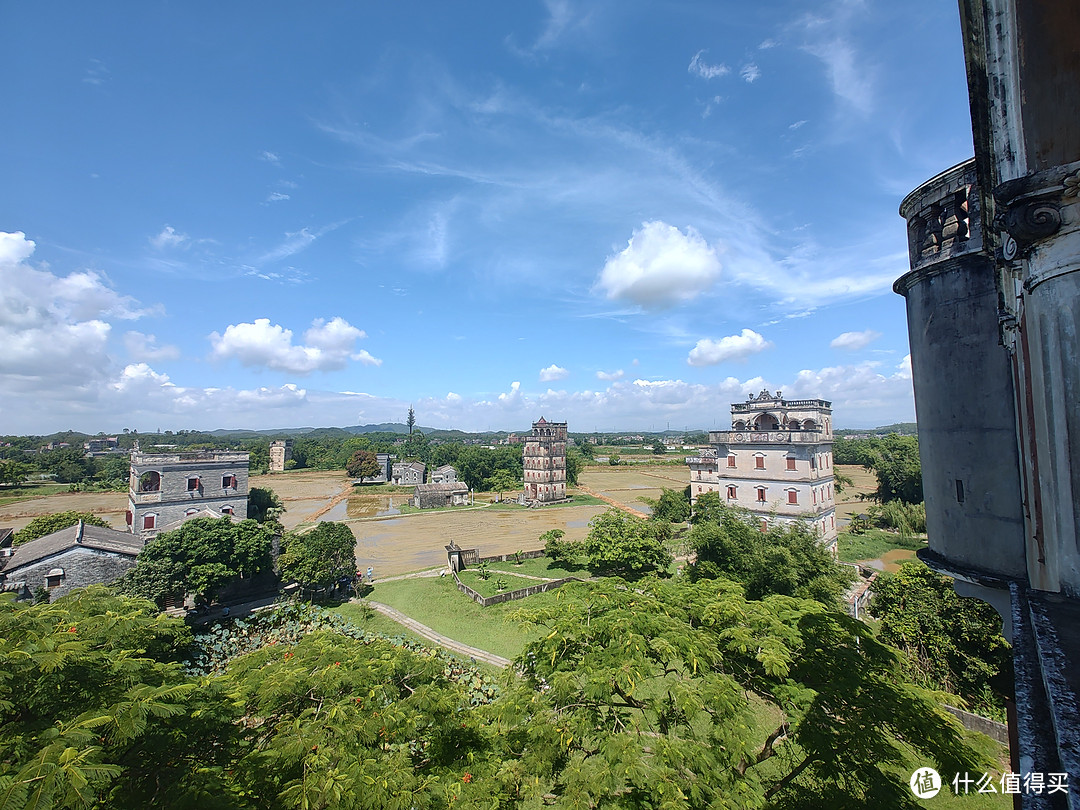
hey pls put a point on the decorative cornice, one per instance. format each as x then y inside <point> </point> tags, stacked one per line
<point>1029,207</point>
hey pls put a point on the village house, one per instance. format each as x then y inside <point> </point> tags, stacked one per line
<point>74,557</point>
<point>408,473</point>
<point>447,493</point>
<point>446,474</point>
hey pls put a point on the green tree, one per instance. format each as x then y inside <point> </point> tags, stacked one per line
<point>950,642</point>
<point>574,465</point>
<point>502,481</point>
<point>614,460</point>
<point>647,694</point>
<point>658,448</point>
<point>363,464</point>
<point>199,558</point>
<point>47,524</point>
<point>586,448</point>
<point>673,505</point>
<point>410,420</point>
<point>95,709</point>
<point>13,473</point>
<point>69,465</point>
<point>621,544</point>
<point>785,559</point>
<point>708,508</point>
<point>264,506</point>
<point>895,461</point>
<point>321,557</point>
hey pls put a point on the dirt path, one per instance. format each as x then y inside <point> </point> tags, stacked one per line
<point>441,640</point>
<point>618,505</point>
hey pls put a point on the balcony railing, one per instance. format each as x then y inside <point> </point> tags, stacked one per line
<point>768,437</point>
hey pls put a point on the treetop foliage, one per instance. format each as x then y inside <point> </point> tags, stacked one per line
<point>321,557</point>
<point>47,524</point>
<point>199,558</point>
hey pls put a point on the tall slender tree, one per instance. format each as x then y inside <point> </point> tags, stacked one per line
<point>410,420</point>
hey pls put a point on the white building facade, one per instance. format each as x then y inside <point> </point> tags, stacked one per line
<point>775,462</point>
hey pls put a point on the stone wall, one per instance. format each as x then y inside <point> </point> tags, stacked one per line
<point>82,567</point>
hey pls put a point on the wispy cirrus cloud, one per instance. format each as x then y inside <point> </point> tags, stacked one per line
<point>699,67</point>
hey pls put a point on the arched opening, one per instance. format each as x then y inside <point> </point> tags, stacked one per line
<point>793,424</point>
<point>767,422</point>
<point>809,424</point>
<point>739,425</point>
<point>150,482</point>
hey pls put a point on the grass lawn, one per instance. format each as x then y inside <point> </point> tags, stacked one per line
<point>538,567</point>
<point>873,543</point>
<point>489,586</point>
<point>436,602</point>
<point>577,499</point>
<point>27,491</point>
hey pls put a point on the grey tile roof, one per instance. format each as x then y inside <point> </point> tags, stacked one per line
<point>453,486</point>
<point>96,537</point>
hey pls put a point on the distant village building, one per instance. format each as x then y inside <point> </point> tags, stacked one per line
<point>280,452</point>
<point>167,489</point>
<point>446,474</point>
<point>449,493</point>
<point>408,473</point>
<point>544,460</point>
<point>101,444</point>
<point>776,462</point>
<point>74,557</point>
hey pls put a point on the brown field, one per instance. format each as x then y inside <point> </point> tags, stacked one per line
<point>847,502</point>
<point>396,544</point>
<point>306,493</point>
<point>109,506</point>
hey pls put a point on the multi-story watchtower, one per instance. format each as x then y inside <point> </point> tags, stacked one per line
<point>776,462</point>
<point>544,460</point>
<point>168,488</point>
<point>280,452</point>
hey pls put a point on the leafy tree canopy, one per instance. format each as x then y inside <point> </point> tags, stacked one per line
<point>786,559</point>
<point>264,505</point>
<point>321,557</point>
<point>47,524</point>
<point>619,543</point>
<point>363,464</point>
<point>951,643</point>
<point>673,505</point>
<point>199,558</point>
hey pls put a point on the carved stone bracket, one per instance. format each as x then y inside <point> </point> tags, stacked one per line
<point>1029,207</point>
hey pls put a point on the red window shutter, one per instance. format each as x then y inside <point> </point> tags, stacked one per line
<point>792,496</point>
<point>791,464</point>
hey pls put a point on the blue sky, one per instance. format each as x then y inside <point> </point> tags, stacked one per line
<point>622,214</point>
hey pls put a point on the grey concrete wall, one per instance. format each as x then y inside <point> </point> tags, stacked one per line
<point>965,410</point>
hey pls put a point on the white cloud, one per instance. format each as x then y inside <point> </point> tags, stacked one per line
<point>54,330</point>
<point>142,347</point>
<point>270,157</point>
<point>733,347</point>
<point>750,73</point>
<point>850,81</point>
<point>766,44</point>
<point>660,267</point>
<point>611,376</point>
<point>168,238</point>
<point>552,373</point>
<point>329,346</point>
<point>853,341</point>
<point>700,67</point>
<point>277,196</point>
<point>797,124</point>
<point>903,368</point>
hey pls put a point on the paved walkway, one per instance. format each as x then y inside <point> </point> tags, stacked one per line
<point>431,635</point>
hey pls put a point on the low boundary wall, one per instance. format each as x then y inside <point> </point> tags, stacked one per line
<point>520,593</point>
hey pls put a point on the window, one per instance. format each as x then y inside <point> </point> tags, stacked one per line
<point>761,494</point>
<point>149,521</point>
<point>764,524</point>
<point>731,460</point>
<point>193,484</point>
<point>732,493</point>
<point>53,580</point>
<point>813,495</point>
<point>790,463</point>
<point>150,482</point>
<point>128,517</point>
<point>793,496</point>
<point>226,510</point>
<point>228,481</point>
<point>759,462</point>
<point>191,512</point>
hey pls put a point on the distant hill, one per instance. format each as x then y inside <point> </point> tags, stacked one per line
<point>905,428</point>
